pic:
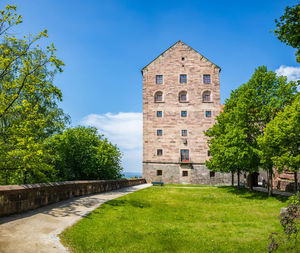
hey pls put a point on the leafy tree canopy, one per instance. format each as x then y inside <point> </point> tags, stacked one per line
<point>233,139</point>
<point>28,102</point>
<point>281,140</point>
<point>80,153</point>
<point>288,28</point>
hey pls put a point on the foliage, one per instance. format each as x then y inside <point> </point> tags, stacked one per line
<point>281,140</point>
<point>80,154</point>
<point>28,103</point>
<point>233,143</point>
<point>290,222</point>
<point>169,219</point>
<point>288,28</point>
<point>228,145</point>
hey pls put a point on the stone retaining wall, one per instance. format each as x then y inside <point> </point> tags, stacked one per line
<point>19,198</point>
<point>284,185</point>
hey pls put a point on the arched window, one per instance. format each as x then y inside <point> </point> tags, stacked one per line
<point>158,97</point>
<point>182,96</point>
<point>206,96</point>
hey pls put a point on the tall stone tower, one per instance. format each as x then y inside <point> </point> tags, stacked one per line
<point>181,99</point>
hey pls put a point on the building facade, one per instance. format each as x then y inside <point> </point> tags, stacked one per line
<point>181,99</point>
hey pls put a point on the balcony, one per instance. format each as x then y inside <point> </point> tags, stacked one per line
<point>185,160</point>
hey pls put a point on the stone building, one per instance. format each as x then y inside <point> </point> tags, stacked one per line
<point>181,99</point>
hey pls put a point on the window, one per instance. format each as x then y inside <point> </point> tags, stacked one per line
<point>159,79</point>
<point>159,113</point>
<point>159,172</point>
<point>182,79</point>
<point>208,153</point>
<point>159,152</point>
<point>206,96</point>
<point>182,96</point>
<point>182,58</point>
<point>211,174</point>
<point>208,114</point>
<point>206,78</point>
<point>185,173</point>
<point>159,132</point>
<point>184,155</point>
<point>183,113</point>
<point>183,132</point>
<point>158,97</point>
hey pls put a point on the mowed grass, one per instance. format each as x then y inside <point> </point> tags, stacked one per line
<point>189,185</point>
<point>165,219</point>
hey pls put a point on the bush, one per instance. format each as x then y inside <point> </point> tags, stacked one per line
<point>289,220</point>
<point>80,153</point>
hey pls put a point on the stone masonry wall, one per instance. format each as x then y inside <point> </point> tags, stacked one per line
<point>178,59</point>
<point>19,198</point>
<point>172,174</point>
<point>285,181</point>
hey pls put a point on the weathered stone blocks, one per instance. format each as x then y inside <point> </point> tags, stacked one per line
<point>177,60</point>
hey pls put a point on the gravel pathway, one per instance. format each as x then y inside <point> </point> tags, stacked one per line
<point>37,230</point>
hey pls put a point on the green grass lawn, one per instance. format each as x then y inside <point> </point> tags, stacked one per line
<point>166,219</point>
<point>188,185</point>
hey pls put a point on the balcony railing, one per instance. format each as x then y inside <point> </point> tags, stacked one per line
<point>185,160</point>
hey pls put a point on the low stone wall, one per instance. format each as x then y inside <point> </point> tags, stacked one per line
<point>284,185</point>
<point>19,198</point>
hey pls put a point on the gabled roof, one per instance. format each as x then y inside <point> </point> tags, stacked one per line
<point>178,42</point>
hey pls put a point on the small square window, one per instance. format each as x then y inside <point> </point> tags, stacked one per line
<point>182,58</point>
<point>184,155</point>
<point>208,153</point>
<point>159,132</point>
<point>185,173</point>
<point>183,113</point>
<point>159,113</point>
<point>159,172</point>
<point>183,96</point>
<point>208,114</point>
<point>159,152</point>
<point>158,97</point>
<point>212,174</point>
<point>206,78</point>
<point>206,96</point>
<point>183,79</point>
<point>159,79</point>
<point>183,132</point>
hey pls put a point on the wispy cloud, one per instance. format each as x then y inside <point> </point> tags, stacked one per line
<point>292,73</point>
<point>124,129</point>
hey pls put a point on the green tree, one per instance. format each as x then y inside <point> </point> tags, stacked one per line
<point>288,28</point>
<point>281,140</point>
<point>28,103</point>
<point>228,146</point>
<point>249,109</point>
<point>81,154</point>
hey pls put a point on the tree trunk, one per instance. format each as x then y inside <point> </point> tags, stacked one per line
<point>238,178</point>
<point>232,178</point>
<point>25,177</point>
<point>270,181</point>
<point>296,181</point>
<point>251,182</point>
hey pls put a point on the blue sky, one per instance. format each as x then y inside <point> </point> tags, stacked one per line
<point>105,44</point>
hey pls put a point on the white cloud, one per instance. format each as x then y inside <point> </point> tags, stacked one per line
<point>125,130</point>
<point>292,73</point>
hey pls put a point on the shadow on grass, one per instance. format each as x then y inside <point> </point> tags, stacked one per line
<point>134,203</point>
<point>247,194</point>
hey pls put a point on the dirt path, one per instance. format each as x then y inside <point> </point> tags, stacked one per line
<point>37,230</point>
